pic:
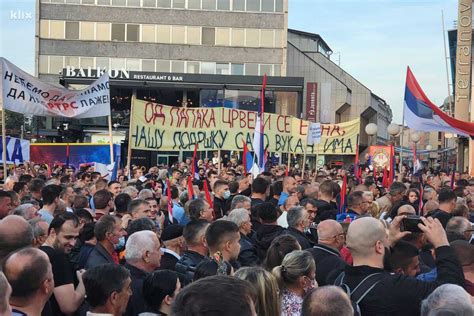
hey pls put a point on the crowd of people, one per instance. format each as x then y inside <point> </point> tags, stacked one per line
<point>168,241</point>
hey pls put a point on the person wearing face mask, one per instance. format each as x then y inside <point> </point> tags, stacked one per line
<point>221,194</point>
<point>110,239</point>
<point>296,277</point>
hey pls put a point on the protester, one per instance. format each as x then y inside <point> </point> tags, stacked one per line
<point>108,289</point>
<point>50,197</point>
<point>396,192</point>
<point>62,234</point>
<point>269,230</point>
<point>327,301</point>
<point>30,275</point>
<point>27,211</point>
<point>448,299</point>
<point>223,238</point>
<point>159,292</point>
<point>248,255</point>
<point>279,248</point>
<point>15,233</point>
<point>296,277</point>
<point>174,246</point>
<point>265,285</point>
<point>404,259</point>
<point>465,254</point>
<point>235,298</point>
<point>40,231</point>
<point>200,209</point>
<point>5,293</point>
<point>447,204</point>
<point>299,222</point>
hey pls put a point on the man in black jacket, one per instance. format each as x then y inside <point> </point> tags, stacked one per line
<point>447,203</point>
<point>248,256</point>
<point>367,239</point>
<point>298,222</point>
<point>269,229</point>
<point>174,246</point>
<point>326,209</point>
<point>326,253</point>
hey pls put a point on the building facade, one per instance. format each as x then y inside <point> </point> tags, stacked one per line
<point>336,96</point>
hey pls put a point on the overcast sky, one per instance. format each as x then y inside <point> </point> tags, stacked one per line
<point>376,40</point>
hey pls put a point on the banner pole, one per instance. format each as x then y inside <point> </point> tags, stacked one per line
<point>218,162</point>
<point>111,139</point>
<point>129,149</point>
<point>304,162</point>
<point>4,146</point>
<point>288,162</point>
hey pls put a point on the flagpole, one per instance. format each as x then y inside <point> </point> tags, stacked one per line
<point>4,145</point>
<point>401,139</point>
<point>219,162</point>
<point>129,149</point>
<point>304,161</point>
<point>111,138</point>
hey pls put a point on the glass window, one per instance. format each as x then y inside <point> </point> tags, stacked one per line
<point>56,29</point>
<point>223,4</point>
<point>178,34</point>
<point>278,5</point>
<point>179,4</point>
<point>44,28</point>
<point>252,37</point>
<point>72,61</point>
<point>163,66</point>
<point>208,4</point>
<point>43,64</point>
<point>266,38</point>
<point>251,69</point>
<point>192,67</point>
<point>133,33</point>
<point>164,3</point>
<point>222,69</point>
<point>149,3</point>
<point>121,3</point>
<point>208,68</point>
<point>87,31</point>
<point>117,63</point>
<point>253,5</point>
<point>148,65</point>
<point>238,5</point>
<point>268,5</point>
<point>103,31</point>
<point>57,1</point>
<point>237,69</point>
<point>163,33</point>
<point>266,69</point>
<point>222,36</point>
<point>44,1</point>
<point>118,32</point>
<point>102,62</point>
<point>177,66</point>
<point>72,30</point>
<point>133,64</point>
<point>133,3</point>
<point>148,33</point>
<point>277,70</point>
<point>103,2</point>
<point>194,35</point>
<point>73,1</point>
<point>55,64</point>
<point>87,62</point>
<point>194,4</point>
<point>238,37</point>
<point>208,36</point>
<point>211,98</point>
<point>87,1</point>
<point>278,39</point>
<point>242,99</point>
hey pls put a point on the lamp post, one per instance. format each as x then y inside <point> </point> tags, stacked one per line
<point>393,130</point>
<point>371,130</point>
<point>415,138</point>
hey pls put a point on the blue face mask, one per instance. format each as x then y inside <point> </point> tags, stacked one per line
<point>226,195</point>
<point>121,244</point>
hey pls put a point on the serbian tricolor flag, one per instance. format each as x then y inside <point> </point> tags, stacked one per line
<point>195,167</point>
<point>422,115</point>
<point>258,136</point>
<point>170,201</point>
<point>343,195</point>
<point>247,159</point>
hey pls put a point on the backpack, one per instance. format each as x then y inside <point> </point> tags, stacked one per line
<point>361,290</point>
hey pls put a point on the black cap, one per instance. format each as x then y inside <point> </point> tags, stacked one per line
<point>172,232</point>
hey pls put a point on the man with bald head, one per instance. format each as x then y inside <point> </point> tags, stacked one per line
<point>406,209</point>
<point>326,254</point>
<point>394,294</point>
<point>30,274</point>
<point>15,233</point>
<point>289,187</point>
<point>327,301</point>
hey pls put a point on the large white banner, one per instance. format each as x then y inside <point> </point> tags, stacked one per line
<point>18,150</point>
<point>23,93</point>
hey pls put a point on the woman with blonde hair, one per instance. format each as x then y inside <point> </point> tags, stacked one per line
<point>266,287</point>
<point>296,276</point>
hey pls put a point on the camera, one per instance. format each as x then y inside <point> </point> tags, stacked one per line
<point>410,224</point>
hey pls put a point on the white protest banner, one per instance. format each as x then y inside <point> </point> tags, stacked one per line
<point>23,93</point>
<point>314,133</point>
<point>18,150</point>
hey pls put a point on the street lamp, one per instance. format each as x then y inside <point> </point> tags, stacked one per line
<point>371,129</point>
<point>415,137</point>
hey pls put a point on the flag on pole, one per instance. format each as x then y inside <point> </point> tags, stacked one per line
<point>343,195</point>
<point>385,178</point>
<point>356,164</point>
<point>258,136</point>
<point>247,159</point>
<point>391,175</point>
<point>170,201</point>
<point>422,115</point>
<point>195,167</point>
<point>420,205</point>
<point>453,173</point>
<point>209,197</point>
<point>190,188</point>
